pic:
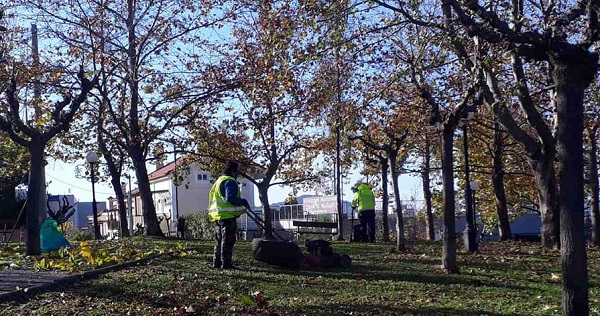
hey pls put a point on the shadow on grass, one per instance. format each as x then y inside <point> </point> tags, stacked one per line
<point>500,266</point>
<point>336,309</point>
<point>428,261</point>
<point>369,273</point>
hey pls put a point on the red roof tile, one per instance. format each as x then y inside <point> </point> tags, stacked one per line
<point>162,172</point>
<point>157,174</point>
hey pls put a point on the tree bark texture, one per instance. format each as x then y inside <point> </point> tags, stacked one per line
<point>115,180</point>
<point>571,80</point>
<point>426,179</point>
<point>400,239</point>
<point>594,186</point>
<point>148,207</point>
<point>36,197</point>
<point>449,263</point>
<point>385,200</point>
<point>545,181</point>
<point>263,196</point>
<point>498,183</point>
<point>120,196</point>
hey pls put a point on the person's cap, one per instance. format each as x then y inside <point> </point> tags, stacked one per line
<point>231,167</point>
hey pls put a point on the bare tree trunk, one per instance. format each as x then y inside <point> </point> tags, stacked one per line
<point>148,208</point>
<point>541,152</point>
<point>545,180</point>
<point>594,187</point>
<point>449,249</point>
<point>400,238</point>
<point>36,194</point>
<point>427,191</point>
<point>571,81</point>
<point>385,200</point>
<point>115,180</point>
<point>263,196</point>
<point>135,148</point>
<point>498,183</point>
<point>120,196</point>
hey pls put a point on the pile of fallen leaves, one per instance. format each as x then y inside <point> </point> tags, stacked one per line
<point>86,255</point>
<point>13,257</point>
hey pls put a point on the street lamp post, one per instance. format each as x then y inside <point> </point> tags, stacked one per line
<point>470,233</point>
<point>92,159</point>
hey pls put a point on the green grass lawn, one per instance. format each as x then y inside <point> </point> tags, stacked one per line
<point>503,279</point>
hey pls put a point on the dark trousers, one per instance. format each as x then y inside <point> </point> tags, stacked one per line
<point>224,241</point>
<point>367,225</point>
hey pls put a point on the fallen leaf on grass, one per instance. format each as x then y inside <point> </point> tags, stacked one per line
<point>246,299</point>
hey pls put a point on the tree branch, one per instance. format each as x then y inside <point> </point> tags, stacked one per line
<point>494,21</point>
<point>408,16</point>
<point>526,102</point>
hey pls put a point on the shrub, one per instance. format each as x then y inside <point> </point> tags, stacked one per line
<point>73,233</point>
<point>197,226</point>
<point>81,235</point>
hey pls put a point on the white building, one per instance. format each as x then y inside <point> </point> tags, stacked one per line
<point>189,197</point>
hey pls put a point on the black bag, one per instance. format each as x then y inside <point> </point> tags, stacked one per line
<point>280,253</point>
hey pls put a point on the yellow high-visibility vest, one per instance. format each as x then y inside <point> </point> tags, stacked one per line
<point>364,198</point>
<point>218,207</point>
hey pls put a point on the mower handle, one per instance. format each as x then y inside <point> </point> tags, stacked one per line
<point>260,222</point>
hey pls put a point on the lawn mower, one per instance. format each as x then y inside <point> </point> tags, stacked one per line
<point>287,254</point>
<point>320,254</point>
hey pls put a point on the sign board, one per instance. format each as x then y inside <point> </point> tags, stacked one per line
<point>320,205</point>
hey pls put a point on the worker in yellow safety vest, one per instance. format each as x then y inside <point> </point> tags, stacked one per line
<point>225,206</point>
<point>364,201</point>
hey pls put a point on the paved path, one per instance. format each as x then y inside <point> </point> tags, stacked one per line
<point>15,283</point>
<point>11,280</point>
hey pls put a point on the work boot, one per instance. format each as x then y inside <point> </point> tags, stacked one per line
<point>229,267</point>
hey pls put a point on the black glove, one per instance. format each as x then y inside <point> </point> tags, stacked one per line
<point>247,205</point>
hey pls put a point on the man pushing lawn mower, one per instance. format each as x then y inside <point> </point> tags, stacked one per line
<point>288,255</point>
<point>225,206</point>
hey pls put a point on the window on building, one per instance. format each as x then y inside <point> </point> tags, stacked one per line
<point>202,177</point>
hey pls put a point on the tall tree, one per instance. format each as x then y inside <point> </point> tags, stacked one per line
<point>592,178</point>
<point>58,93</point>
<point>388,134</point>
<point>447,123</point>
<point>563,41</point>
<point>55,118</point>
<point>448,103</point>
<point>376,163</point>
<point>573,67</point>
<point>541,149</point>
<point>155,58</point>
<point>267,127</point>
